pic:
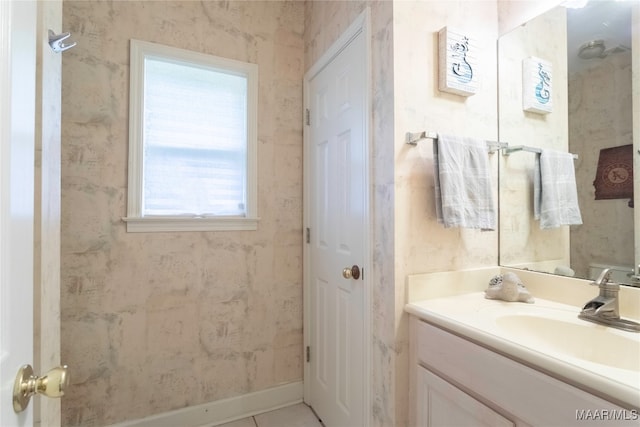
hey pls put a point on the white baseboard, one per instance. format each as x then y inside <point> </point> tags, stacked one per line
<point>225,410</point>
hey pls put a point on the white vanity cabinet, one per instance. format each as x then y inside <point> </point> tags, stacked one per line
<point>442,404</point>
<point>455,382</point>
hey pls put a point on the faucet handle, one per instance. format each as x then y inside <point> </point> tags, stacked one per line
<point>603,278</point>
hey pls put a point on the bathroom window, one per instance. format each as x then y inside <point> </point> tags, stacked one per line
<point>192,141</point>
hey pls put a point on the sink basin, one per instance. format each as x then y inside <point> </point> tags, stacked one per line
<point>560,333</point>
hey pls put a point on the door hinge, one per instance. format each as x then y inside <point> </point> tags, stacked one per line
<point>308,354</point>
<point>307,117</point>
<point>308,238</point>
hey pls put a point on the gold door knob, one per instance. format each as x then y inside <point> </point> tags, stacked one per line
<point>53,384</point>
<point>351,272</point>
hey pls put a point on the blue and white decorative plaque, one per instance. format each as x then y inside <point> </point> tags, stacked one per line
<point>537,79</point>
<point>458,58</point>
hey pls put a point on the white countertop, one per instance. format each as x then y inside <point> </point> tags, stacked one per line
<point>474,317</point>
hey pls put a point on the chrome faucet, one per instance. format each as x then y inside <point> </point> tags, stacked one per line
<point>604,309</point>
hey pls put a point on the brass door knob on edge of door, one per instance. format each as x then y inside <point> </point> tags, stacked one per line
<point>53,384</point>
<point>351,272</point>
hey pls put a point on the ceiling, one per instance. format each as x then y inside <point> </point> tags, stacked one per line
<point>598,20</point>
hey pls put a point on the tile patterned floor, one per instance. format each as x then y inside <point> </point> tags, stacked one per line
<point>299,415</point>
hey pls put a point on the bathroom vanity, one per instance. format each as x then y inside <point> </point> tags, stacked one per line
<point>479,362</point>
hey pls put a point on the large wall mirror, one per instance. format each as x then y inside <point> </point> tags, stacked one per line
<point>591,51</point>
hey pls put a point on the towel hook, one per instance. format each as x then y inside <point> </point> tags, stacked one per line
<point>56,41</point>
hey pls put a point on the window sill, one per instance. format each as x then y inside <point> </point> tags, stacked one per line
<point>164,224</point>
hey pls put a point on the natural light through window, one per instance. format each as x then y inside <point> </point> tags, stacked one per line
<point>209,155</point>
<point>192,141</point>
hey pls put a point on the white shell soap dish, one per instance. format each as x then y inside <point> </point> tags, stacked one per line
<point>508,287</point>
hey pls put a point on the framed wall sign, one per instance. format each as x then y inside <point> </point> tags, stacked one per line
<point>537,90</point>
<point>458,62</point>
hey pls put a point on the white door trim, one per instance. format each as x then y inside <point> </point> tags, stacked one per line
<point>361,25</point>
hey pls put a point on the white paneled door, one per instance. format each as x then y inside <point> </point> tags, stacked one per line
<point>337,217</point>
<point>17,132</point>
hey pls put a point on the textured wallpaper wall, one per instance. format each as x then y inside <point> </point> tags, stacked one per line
<point>158,321</point>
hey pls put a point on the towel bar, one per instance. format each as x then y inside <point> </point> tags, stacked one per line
<point>514,148</point>
<point>412,138</point>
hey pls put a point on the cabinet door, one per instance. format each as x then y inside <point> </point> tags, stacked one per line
<point>440,404</point>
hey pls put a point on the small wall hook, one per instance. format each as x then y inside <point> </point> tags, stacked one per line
<point>56,41</point>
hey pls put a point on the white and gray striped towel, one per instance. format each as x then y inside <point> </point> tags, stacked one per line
<point>464,196</point>
<point>554,190</point>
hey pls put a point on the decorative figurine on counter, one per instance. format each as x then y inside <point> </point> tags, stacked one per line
<point>508,287</point>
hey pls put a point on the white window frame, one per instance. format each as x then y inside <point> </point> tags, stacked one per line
<point>136,222</point>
